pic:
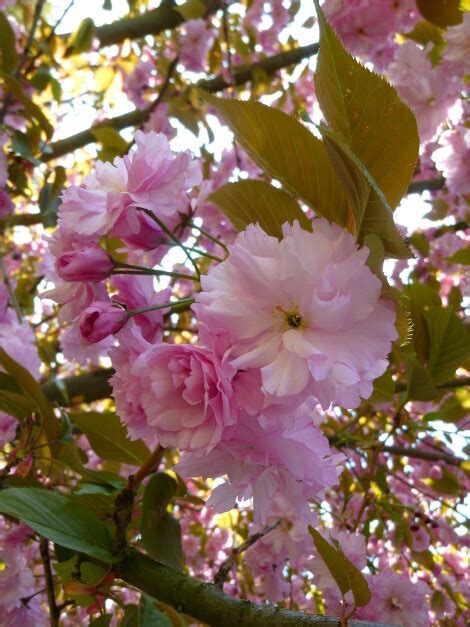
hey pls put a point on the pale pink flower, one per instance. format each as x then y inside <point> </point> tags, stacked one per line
<point>156,178</point>
<point>457,51</point>
<point>139,82</point>
<point>194,43</point>
<point>92,208</point>
<point>75,349</point>
<point>16,579</point>
<point>75,297</point>
<point>159,121</point>
<point>90,263</point>
<point>453,158</point>
<point>428,90</point>
<point>306,310</point>
<point>275,453</point>
<point>396,600</point>
<point>101,319</point>
<point>138,292</point>
<point>8,426</point>
<point>188,394</point>
<point>18,340</point>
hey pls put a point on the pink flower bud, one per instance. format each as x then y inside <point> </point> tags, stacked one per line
<point>100,319</point>
<point>90,263</point>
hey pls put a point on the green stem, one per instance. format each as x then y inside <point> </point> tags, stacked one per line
<point>183,301</point>
<point>172,236</point>
<point>208,235</point>
<point>143,270</point>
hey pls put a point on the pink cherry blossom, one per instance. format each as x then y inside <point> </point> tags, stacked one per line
<point>453,158</point>
<point>92,208</point>
<point>396,600</point>
<point>100,319</point>
<point>306,310</point>
<point>18,340</point>
<point>90,263</point>
<point>156,178</point>
<point>127,394</point>
<point>16,579</point>
<point>195,42</point>
<point>8,426</point>
<point>159,121</point>
<point>138,292</point>
<point>76,349</point>
<point>188,394</point>
<point>75,297</point>
<point>272,454</point>
<point>457,51</point>
<point>428,90</point>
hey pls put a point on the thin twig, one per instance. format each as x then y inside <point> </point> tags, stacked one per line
<point>222,574</point>
<point>46,560</point>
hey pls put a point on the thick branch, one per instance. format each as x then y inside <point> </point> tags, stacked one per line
<point>207,602</point>
<point>417,187</point>
<point>403,451</point>
<point>83,388</point>
<point>150,23</point>
<point>241,75</point>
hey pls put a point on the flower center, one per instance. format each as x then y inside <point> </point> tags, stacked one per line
<point>294,320</point>
<point>292,317</point>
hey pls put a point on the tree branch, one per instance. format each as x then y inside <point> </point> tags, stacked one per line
<point>241,75</point>
<point>164,17</point>
<point>222,573</point>
<point>46,560</point>
<point>417,187</point>
<point>208,603</point>
<point>403,451</point>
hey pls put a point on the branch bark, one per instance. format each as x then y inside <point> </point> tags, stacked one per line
<point>152,22</point>
<point>208,603</point>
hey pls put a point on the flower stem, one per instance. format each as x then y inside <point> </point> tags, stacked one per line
<point>184,301</point>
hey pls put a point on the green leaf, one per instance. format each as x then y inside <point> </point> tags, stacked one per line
<point>420,385</point>
<point>192,9</point>
<point>56,518</point>
<point>108,438</point>
<point>160,531</point>
<point>343,571</point>
<point>287,151</point>
<point>379,128</point>
<point>248,202</point>
<point>30,108</point>
<point>462,256</point>
<point>32,388</point>
<point>442,13</point>
<point>449,343</point>
<point>150,616</point>
<point>350,172</point>
<point>8,56</point>
<point>82,39</point>
<point>113,144</point>
<point>131,616</point>
<point>447,484</point>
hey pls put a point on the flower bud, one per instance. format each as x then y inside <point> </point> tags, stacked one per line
<point>90,263</point>
<point>100,319</point>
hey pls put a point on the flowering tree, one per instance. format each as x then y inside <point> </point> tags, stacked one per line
<point>234,358</point>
